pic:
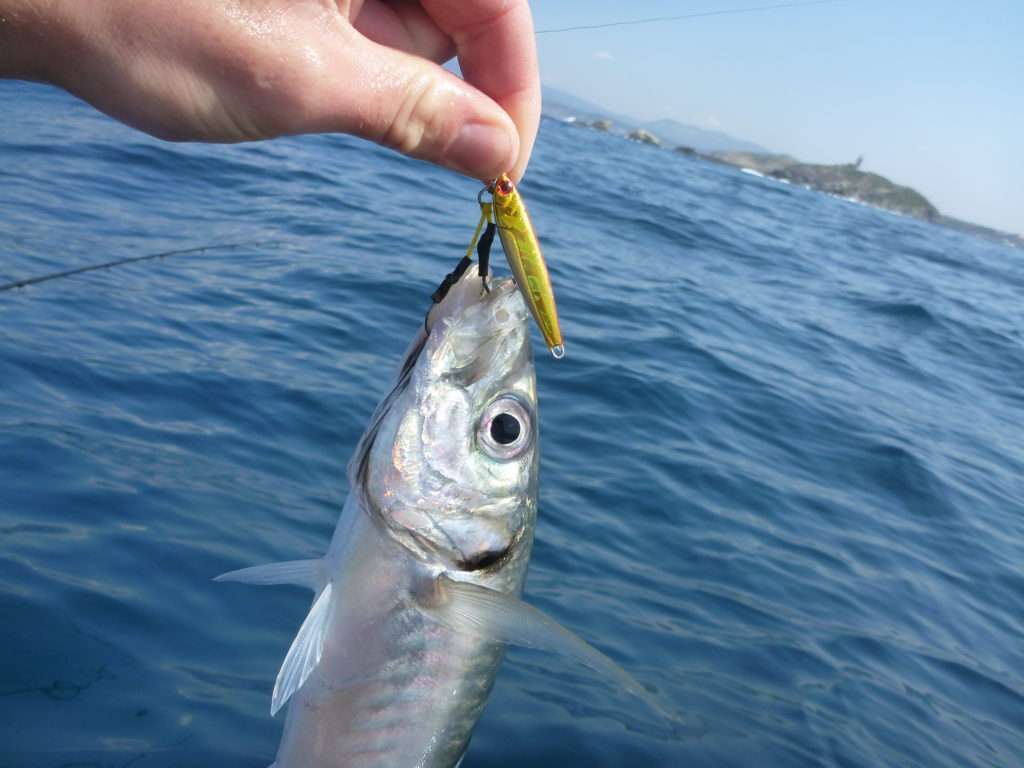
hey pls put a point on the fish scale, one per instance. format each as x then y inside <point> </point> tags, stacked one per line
<point>432,670</point>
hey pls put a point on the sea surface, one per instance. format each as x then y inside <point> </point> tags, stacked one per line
<point>782,473</point>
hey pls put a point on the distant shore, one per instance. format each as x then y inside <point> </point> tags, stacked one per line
<point>845,180</point>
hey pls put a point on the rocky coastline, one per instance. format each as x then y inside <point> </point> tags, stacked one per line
<point>845,180</point>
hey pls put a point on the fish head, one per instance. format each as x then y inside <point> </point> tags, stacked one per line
<point>452,465</point>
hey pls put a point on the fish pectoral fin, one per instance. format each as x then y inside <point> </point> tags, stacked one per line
<point>471,608</point>
<point>304,653</point>
<point>299,573</point>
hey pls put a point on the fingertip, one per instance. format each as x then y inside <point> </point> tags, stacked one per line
<point>524,113</point>
<point>518,170</point>
<point>419,109</point>
<point>483,150</point>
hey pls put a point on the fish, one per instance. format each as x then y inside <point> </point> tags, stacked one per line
<point>522,249</point>
<point>420,589</point>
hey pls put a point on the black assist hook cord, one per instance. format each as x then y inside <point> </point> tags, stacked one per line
<point>483,251</point>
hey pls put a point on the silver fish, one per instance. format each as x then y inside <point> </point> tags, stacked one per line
<point>419,590</point>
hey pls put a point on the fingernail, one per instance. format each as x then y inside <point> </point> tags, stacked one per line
<point>480,150</point>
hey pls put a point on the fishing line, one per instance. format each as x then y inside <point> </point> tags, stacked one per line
<point>117,263</point>
<point>699,15</point>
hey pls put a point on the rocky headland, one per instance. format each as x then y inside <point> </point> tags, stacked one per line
<point>841,180</point>
<point>849,182</point>
<point>853,184</point>
<point>762,163</point>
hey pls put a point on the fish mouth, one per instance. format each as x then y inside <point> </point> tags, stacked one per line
<point>493,557</point>
<point>479,334</point>
<point>469,292</point>
<point>481,561</point>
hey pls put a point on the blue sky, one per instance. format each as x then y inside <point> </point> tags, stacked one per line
<point>931,93</point>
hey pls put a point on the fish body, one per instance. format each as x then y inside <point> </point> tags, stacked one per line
<point>444,481</point>
<point>393,687</point>
<point>419,591</point>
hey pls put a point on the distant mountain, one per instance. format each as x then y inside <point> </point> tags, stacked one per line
<point>561,105</point>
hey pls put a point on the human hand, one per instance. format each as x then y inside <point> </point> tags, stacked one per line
<point>239,70</point>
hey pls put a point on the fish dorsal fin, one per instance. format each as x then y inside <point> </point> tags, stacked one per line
<point>299,573</point>
<point>305,652</point>
<point>477,610</point>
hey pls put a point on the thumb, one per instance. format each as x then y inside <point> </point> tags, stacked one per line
<point>419,108</point>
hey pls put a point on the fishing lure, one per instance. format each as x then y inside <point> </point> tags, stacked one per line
<point>522,250</point>
<point>506,214</point>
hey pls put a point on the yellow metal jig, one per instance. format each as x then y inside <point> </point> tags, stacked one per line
<point>522,250</point>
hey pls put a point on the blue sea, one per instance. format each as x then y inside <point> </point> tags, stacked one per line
<point>782,466</point>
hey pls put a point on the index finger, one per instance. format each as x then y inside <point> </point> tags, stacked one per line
<point>497,53</point>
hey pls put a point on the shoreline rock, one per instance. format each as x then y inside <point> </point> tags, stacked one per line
<point>644,137</point>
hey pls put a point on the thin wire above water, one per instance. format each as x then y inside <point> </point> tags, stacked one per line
<point>684,16</point>
<point>116,263</point>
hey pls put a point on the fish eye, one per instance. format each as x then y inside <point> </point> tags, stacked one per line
<point>504,431</point>
<point>505,187</point>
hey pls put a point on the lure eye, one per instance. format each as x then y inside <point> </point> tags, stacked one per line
<point>504,431</point>
<point>505,187</point>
